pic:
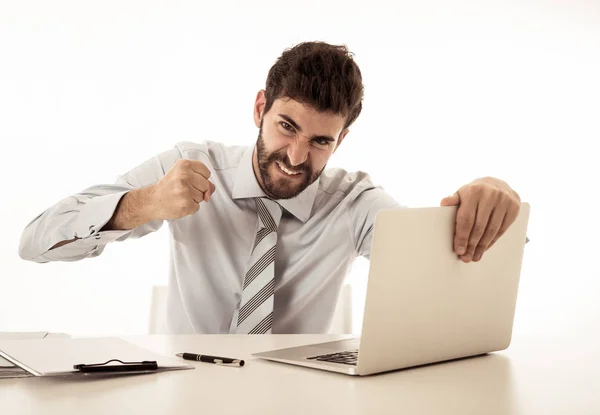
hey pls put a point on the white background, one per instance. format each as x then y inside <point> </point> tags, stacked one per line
<point>454,91</point>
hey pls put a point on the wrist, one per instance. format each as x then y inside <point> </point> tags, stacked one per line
<point>148,203</point>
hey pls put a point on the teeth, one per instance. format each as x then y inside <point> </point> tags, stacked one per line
<point>291,173</point>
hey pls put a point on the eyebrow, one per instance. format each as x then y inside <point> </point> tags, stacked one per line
<point>297,127</point>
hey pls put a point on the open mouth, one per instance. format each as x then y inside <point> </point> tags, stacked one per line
<point>286,171</point>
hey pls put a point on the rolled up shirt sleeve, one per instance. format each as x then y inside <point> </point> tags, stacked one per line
<point>84,214</point>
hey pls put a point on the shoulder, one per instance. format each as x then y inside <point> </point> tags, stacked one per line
<point>356,190</point>
<point>344,183</point>
<point>217,155</point>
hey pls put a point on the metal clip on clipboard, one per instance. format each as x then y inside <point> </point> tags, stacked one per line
<point>144,366</point>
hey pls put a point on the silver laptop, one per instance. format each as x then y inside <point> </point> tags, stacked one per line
<point>423,304</point>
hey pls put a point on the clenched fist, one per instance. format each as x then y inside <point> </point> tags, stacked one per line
<point>181,191</point>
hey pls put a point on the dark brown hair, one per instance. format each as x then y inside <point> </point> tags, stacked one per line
<point>318,74</point>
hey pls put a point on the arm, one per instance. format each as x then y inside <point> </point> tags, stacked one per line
<point>367,201</point>
<point>79,226</point>
<point>133,211</point>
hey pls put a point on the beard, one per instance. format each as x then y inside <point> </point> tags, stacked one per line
<point>281,188</point>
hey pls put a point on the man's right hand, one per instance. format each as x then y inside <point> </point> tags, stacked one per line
<point>176,195</point>
<point>180,192</point>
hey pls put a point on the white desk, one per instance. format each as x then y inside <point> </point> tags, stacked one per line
<point>534,376</point>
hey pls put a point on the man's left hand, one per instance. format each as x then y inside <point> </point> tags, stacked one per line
<point>486,208</point>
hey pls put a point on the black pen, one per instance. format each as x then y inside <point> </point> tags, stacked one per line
<point>224,361</point>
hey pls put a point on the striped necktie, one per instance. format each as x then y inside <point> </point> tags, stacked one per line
<point>256,308</point>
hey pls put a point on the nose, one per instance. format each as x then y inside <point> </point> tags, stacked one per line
<point>298,152</point>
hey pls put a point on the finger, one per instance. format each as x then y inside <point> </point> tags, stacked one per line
<point>208,194</point>
<point>484,211</point>
<point>200,168</point>
<point>450,200</point>
<point>493,226</point>
<point>509,218</point>
<point>199,183</point>
<point>197,196</point>
<point>465,217</point>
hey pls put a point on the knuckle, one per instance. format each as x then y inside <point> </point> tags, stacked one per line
<point>461,237</point>
<point>206,170</point>
<point>514,210</point>
<point>478,229</point>
<point>477,189</point>
<point>503,197</point>
<point>201,182</point>
<point>180,189</point>
<point>464,225</point>
<point>186,183</point>
<point>461,241</point>
<point>185,163</point>
<point>464,218</point>
<point>493,230</point>
<point>483,245</point>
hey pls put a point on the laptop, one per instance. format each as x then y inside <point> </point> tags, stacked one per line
<point>423,304</point>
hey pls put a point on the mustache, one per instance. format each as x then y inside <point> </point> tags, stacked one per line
<point>284,159</point>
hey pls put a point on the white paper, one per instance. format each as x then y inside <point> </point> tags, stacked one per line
<point>5,364</point>
<point>7,369</point>
<point>57,356</point>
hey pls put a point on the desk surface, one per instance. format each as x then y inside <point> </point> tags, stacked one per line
<point>534,376</point>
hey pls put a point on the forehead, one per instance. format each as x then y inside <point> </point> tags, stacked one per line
<point>309,119</point>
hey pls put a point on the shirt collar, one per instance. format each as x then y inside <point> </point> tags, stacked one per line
<point>245,185</point>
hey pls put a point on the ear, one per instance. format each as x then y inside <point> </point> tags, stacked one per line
<point>342,136</point>
<point>259,106</point>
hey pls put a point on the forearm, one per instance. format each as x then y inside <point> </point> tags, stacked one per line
<point>73,219</point>
<point>135,209</point>
<point>74,230</point>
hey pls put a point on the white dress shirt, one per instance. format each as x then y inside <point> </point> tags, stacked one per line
<point>321,233</point>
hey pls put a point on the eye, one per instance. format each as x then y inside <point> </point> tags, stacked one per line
<point>322,142</point>
<point>286,126</point>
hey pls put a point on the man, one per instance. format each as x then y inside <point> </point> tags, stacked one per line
<point>262,237</point>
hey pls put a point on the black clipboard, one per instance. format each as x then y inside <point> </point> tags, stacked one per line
<point>123,367</point>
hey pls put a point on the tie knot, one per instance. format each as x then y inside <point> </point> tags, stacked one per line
<point>269,213</point>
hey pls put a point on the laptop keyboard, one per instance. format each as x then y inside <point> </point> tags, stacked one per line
<point>347,358</point>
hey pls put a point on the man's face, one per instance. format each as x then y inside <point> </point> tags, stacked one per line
<point>294,145</point>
